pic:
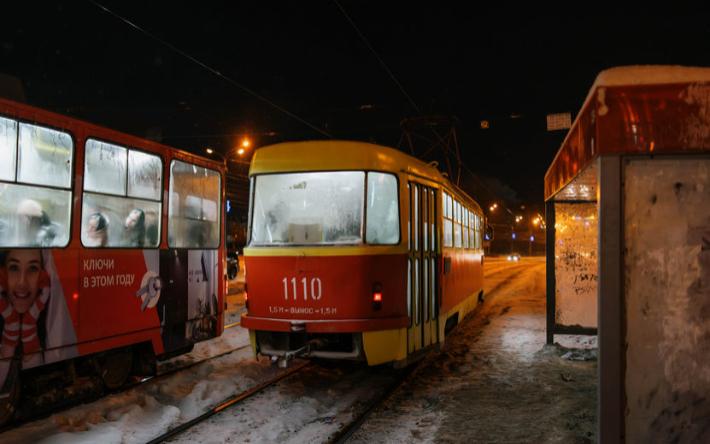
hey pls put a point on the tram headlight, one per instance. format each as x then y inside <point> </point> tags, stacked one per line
<point>377,296</point>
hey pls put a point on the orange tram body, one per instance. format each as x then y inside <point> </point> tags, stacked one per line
<point>356,251</point>
<point>111,252</point>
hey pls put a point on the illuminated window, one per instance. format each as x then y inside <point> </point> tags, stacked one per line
<point>195,200</point>
<point>35,185</point>
<point>122,197</point>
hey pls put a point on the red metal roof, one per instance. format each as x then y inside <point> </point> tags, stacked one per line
<point>636,110</point>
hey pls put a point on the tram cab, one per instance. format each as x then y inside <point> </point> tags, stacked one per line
<point>348,253</point>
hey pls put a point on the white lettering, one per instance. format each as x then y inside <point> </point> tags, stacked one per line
<point>316,289</point>
<point>98,264</point>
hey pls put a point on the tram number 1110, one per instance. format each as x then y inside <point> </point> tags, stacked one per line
<point>315,288</point>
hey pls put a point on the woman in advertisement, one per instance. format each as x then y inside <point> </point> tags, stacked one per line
<point>34,320</point>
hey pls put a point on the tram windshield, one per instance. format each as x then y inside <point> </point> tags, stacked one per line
<point>308,208</point>
<point>326,208</point>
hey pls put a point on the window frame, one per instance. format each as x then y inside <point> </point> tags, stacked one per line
<point>125,195</point>
<point>399,209</point>
<point>252,192</point>
<point>72,177</point>
<point>220,206</point>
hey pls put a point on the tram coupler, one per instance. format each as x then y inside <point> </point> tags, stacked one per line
<point>289,355</point>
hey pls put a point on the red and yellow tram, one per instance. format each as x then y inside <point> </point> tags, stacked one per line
<point>111,251</point>
<point>356,251</point>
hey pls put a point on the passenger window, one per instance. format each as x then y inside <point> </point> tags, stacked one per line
<point>448,222</point>
<point>45,157</point>
<point>119,222</point>
<point>105,168</point>
<point>457,224</point>
<point>195,200</point>
<point>8,149</point>
<point>464,242</point>
<point>144,175</point>
<point>32,215</point>
<point>121,204</point>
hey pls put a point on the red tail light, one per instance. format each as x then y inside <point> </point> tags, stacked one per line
<point>377,296</point>
<point>246,297</point>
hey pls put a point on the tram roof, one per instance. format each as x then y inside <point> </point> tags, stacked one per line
<point>634,110</point>
<point>31,114</point>
<point>333,155</point>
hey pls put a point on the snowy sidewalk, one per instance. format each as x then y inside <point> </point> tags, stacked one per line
<point>496,381</point>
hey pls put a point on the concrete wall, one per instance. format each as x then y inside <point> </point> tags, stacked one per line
<point>667,298</point>
<point>576,235</point>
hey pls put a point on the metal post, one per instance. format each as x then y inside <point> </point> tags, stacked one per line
<point>550,268</point>
<point>610,408</point>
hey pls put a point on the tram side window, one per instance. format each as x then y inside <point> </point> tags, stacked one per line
<point>195,200</point>
<point>448,222</point>
<point>457,224</point>
<point>8,148</point>
<point>122,197</point>
<point>472,241</point>
<point>464,228</point>
<point>382,209</point>
<point>477,231</point>
<point>31,213</point>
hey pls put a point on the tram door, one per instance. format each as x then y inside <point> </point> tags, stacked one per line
<point>422,283</point>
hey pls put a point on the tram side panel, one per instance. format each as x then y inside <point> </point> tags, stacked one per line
<point>116,298</point>
<point>462,281</point>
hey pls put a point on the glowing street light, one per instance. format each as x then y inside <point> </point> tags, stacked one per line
<point>493,207</point>
<point>240,151</point>
<point>209,150</point>
<point>246,143</point>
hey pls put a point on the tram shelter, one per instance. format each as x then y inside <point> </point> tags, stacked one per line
<point>628,249</point>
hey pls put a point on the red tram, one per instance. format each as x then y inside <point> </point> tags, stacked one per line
<point>356,251</point>
<point>111,252</point>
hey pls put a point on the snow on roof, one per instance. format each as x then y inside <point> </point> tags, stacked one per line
<point>651,74</point>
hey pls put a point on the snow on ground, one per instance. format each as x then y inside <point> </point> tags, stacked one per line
<point>231,339</point>
<point>307,407</point>
<point>139,414</point>
<point>496,380</point>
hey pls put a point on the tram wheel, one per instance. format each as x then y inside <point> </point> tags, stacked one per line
<point>10,393</point>
<point>116,368</point>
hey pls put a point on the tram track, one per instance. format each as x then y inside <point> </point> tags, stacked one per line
<point>344,434</point>
<point>65,404</point>
<point>231,401</point>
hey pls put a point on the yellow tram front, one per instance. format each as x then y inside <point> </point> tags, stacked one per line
<point>327,259</point>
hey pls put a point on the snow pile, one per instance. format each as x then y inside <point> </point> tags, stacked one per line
<point>146,411</point>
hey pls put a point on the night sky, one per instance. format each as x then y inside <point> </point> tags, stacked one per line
<point>307,58</point>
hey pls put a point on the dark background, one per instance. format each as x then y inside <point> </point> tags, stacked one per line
<point>451,59</point>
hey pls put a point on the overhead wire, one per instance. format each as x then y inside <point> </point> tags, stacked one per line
<point>404,92</point>
<point>212,70</point>
<point>377,56</point>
